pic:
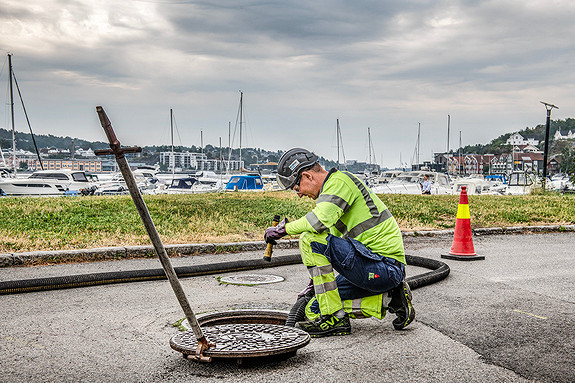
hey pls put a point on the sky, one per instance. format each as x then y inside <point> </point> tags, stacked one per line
<point>394,67</point>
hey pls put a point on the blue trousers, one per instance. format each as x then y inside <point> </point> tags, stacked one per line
<point>362,273</point>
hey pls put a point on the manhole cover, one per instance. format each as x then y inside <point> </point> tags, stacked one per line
<point>251,279</point>
<point>243,340</point>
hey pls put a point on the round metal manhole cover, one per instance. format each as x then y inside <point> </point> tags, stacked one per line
<point>251,279</point>
<point>243,340</point>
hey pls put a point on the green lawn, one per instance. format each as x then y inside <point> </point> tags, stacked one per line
<point>84,222</point>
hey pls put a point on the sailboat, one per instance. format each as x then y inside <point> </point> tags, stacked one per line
<point>11,82</point>
<point>42,182</point>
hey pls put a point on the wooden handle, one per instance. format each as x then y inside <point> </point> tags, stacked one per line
<point>270,247</point>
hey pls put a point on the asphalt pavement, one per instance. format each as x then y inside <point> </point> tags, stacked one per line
<point>508,318</point>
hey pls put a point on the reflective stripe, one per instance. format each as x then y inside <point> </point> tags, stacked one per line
<point>315,222</point>
<point>316,271</point>
<point>339,225</point>
<point>368,200</point>
<point>356,308</point>
<point>376,216</point>
<point>334,199</point>
<point>325,287</point>
<point>463,211</point>
<point>369,223</point>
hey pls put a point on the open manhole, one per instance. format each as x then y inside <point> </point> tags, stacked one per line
<point>251,279</point>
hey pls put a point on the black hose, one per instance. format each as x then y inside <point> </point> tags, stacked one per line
<point>82,280</point>
<point>439,271</point>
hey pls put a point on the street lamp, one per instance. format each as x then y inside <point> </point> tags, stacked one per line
<point>548,107</point>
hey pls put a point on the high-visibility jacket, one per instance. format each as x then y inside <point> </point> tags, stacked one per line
<point>347,208</point>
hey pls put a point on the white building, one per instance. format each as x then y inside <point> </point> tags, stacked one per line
<point>197,161</point>
<point>84,152</point>
<point>558,135</point>
<point>517,139</point>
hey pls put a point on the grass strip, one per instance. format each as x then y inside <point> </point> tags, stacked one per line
<point>28,224</point>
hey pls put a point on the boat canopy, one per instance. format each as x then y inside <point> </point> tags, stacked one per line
<point>183,183</point>
<point>245,182</point>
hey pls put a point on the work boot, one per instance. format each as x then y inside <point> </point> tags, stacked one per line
<point>326,325</point>
<point>400,304</point>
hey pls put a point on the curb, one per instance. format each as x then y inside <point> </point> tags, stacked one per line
<point>32,258</point>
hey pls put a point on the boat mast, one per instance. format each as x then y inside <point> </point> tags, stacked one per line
<point>447,152</point>
<point>369,147</point>
<point>241,115</point>
<point>12,113</point>
<point>172,134</point>
<point>337,140</point>
<point>418,143</point>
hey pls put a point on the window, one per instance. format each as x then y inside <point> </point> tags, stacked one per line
<point>56,176</point>
<point>79,177</point>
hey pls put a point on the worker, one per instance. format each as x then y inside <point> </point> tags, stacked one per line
<point>426,185</point>
<point>351,231</point>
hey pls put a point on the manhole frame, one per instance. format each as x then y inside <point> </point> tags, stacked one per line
<point>230,279</point>
<point>186,342</point>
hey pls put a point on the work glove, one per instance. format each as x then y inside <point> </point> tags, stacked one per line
<point>274,233</point>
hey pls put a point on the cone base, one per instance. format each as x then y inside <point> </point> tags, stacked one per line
<point>463,257</point>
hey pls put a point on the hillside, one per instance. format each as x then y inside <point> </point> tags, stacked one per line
<point>497,146</point>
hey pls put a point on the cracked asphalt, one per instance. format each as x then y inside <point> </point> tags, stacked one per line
<point>508,318</point>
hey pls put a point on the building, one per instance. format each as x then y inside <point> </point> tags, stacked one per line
<point>559,136</point>
<point>87,165</point>
<point>267,167</point>
<point>197,161</point>
<point>517,139</point>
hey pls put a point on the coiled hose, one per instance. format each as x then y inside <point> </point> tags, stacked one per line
<point>440,271</point>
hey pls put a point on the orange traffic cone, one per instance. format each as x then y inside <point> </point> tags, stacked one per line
<point>462,247</point>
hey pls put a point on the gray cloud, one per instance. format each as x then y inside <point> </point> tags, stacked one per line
<point>301,64</point>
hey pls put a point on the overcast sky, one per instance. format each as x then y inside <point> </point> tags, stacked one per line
<point>302,65</point>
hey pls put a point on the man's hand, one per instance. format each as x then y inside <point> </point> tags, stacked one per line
<point>274,233</point>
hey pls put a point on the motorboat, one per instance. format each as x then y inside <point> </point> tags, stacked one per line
<point>145,179</point>
<point>388,175</point>
<point>474,185</point>
<point>48,182</point>
<point>561,182</point>
<point>520,183</point>
<point>410,183</point>
<point>189,185</point>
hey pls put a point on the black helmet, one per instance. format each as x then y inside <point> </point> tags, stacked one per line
<point>292,163</point>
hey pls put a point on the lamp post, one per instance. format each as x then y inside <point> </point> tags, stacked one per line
<point>548,107</point>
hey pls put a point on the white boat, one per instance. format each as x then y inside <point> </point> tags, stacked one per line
<point>188,185</point>
<point>520,183</point>
<point>410,183</point>
<point>145,179</point>
<point>48,182</point>
<point>561,183</point>
<point>388,175</point>
<point>474,185</point>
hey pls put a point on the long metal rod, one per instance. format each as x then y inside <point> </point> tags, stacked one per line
<point>118,151</point>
